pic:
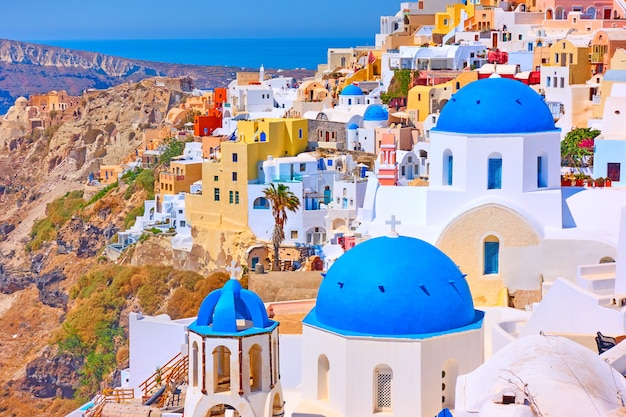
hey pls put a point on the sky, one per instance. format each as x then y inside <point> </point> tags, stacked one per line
<point>29,20</point>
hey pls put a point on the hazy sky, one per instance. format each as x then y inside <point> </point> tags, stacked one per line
<point>160,19</point>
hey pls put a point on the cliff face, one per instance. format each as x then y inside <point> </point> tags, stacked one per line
<point>14,52</point>
<point>27,68</point>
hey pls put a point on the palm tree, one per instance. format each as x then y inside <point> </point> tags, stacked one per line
<point>281,199</point>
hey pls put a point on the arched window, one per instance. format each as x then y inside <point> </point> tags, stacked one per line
<point>261,203</point>
<point>491,255</point>
<point>494,174</point>
<point>323,368</point>
<point>221,369</point>
<point>542,171</point>
<point>194,364</point>
<point>448,165</point>
<point>256,368</point>
<point>383,378</point>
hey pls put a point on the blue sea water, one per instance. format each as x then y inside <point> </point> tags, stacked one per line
<point>284,53</point>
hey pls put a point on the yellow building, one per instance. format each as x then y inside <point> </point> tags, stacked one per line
<point>574,54</point>
<point>179,177</point>
<point>423,100</point>
<point>224,199</point>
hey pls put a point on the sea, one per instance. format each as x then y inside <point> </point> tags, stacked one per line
<point>283,53</point>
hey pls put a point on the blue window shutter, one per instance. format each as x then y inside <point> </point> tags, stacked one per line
<point>494,180</point>
<point>492,250</point>
<point>450,165</point>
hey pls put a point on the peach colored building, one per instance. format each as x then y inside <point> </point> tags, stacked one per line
<point>109,173</point>
<point>387,168</point>
<point>603,45</point>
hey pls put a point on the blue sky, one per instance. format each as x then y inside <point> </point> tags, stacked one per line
<point>160,19</point>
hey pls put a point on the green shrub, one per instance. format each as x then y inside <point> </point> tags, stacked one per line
<point>101,193</point>
<point>131,216</point>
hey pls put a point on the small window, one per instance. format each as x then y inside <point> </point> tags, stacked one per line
<point>216,194</point>
<point>294,234</point>
<point>556,58</point>
<point>234,176</point>
<point>302,167</point>
<point>180,211</point>
<point>215,178</point>
<point>231,197</point>
<point>299,133</point>
<point>613,171</point>
<point>182,223</point>
<point>234,157</point>
<point>494,181</point>
<point>236,197</point>
<point>562,82</point>
<point>491,255</point>
<point>548,79</point>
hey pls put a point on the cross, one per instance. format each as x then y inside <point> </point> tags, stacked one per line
<point>393,223</point>
<point>234,270</point>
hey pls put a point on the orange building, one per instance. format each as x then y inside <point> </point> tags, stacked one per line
<point>211,119</point>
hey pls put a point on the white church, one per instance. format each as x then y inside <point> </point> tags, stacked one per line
<point>494,202</point>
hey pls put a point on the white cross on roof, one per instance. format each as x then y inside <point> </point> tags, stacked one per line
<point>233,269</point>
<point>393,223</point>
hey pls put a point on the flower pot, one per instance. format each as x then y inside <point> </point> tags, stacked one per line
<point>580,182</point>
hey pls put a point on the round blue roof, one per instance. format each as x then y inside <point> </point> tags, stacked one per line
<point>353,126</point>
<point>495,105</point>
<point>376,112</point>
<point>351,90</point>
<point>232,310</point>
<point>394,286</point>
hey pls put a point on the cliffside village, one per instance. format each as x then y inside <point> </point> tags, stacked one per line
<point>457,187</point>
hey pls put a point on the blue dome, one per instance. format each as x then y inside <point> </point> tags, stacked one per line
<point>495,105</point>
<point>351,90</point>
<point>353,126</point>
<point>232,310</point>
<point>398,286</point>
<point>376,112</point>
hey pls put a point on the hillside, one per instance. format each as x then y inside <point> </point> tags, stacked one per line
<point>62,305</point>
<point>27,68</point>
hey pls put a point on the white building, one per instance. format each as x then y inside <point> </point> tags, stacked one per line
<point>494,202</point>
<point>233,357</point>
<point>368,321</point>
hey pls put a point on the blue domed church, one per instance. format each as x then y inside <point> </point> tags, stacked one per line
<point>233,357</point>
<point>393,326</point>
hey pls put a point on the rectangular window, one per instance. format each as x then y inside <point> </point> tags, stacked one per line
<point>571,58</point>
<point>556,58</point>
<point>548,79</point>
<point>450,164</point>
<point>236,197</point>
<point>215,178</point>
<point>299,133</point>
<point>383,391</point>
<point>302,167</point>
<point>216,194</point>
<point>492,250</point>
<point>235,176</point>
<point>494,180</point>
<point>180,211</point>
<point>231,197</point>
<point>613,171</point>
<point>294,234</point>
<point>234,157</point>
<point>562,82</point>
<point>541,177</point>
<point>182,223</point>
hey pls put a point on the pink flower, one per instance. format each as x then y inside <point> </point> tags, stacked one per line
<point>586,144</point>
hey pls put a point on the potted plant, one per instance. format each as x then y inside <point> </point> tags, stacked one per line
<point>600,182</point>
<point>580,180</point>
<point>607,182</point>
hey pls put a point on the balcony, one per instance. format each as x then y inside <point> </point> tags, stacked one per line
<point>597,57</point>
<point>166,176</point>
